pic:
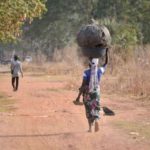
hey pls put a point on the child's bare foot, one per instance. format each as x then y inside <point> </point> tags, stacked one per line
<point>96,126</point>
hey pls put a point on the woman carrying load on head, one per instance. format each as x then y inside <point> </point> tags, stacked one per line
<point>91,91</point>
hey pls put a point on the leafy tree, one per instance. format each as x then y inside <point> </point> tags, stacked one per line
<point>123,34</point>
<point>59,25</point>
<point>13,14</point>
<point>128,21</point>
<point>131,12</point>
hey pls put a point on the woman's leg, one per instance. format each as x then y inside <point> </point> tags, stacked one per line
<point>88,116</point>
<point>97,112</point>
<point>90,126</point>
<point>96,125</point>
<point>90,121</point>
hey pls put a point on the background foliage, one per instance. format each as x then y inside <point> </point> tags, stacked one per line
<point>13,13</point>
<point>128,22</point>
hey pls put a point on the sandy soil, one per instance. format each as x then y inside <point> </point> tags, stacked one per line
<point>45,118</point>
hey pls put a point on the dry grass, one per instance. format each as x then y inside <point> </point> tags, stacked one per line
<point>140,129</point>
<point>6,104</point>
<point>124,75</point>
<point>132,76</point>
<point>4,68</point>
<point>66,64</point>
<point>65,61</point>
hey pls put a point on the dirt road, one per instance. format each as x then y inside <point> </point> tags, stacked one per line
<point>44,118</point>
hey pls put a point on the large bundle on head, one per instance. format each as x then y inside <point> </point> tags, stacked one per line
<point>93,40</point>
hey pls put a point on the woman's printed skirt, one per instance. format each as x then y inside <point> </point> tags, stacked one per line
<point>92,104</point>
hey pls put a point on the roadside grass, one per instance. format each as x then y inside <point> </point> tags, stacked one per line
<point>130,75</point>
<point>138,129</point>
<point>60,78</point>
<point>54,78</point>
<point>70,82</point>
<point>36,74</point>
<point>126,74</point>
<point>6,103</point>
<point>56,89</point>
<point>3,75</point>
<point>61,89</point>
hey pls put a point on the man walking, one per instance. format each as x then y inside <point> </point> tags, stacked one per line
<point>16,70</point>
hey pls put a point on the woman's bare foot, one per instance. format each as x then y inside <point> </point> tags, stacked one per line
<point>90,130</point>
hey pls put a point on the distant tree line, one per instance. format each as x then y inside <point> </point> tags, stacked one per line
<point>128,22</point>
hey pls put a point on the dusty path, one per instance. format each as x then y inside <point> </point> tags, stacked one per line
<point>46,119</point>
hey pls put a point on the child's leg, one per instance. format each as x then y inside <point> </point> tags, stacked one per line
<point>17,82</point>
<point>13,82</point>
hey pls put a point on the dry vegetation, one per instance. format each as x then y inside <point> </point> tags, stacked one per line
<point>135,129</point>
<point>6,103</point>
<point>128,71</point>
<point>130,74</point>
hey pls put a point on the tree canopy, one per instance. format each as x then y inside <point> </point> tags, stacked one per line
<point>128,21</point>
<point>13,14</point>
